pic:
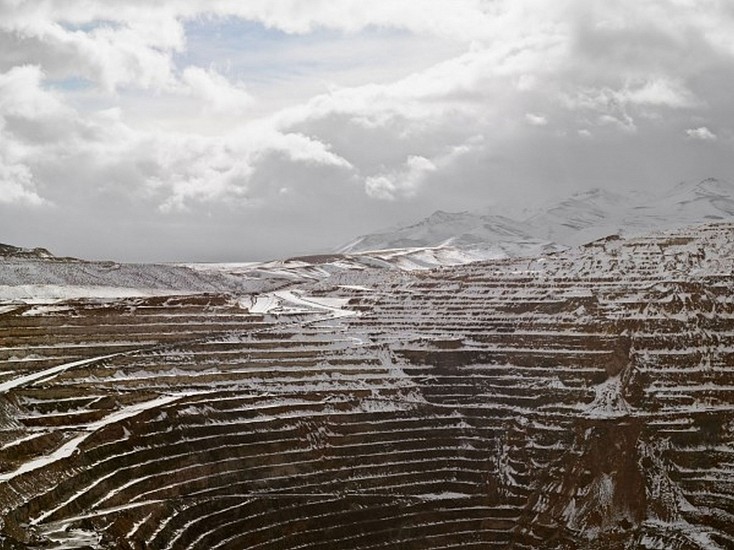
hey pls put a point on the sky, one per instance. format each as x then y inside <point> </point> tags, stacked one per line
<point>216,130</point>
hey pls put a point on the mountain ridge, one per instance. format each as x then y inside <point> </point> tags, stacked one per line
<point>580,218</point>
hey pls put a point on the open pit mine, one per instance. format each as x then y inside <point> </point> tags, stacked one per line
<point>583,399</point>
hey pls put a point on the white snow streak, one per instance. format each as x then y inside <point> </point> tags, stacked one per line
<point>68,448</point>
<point>33,377</point>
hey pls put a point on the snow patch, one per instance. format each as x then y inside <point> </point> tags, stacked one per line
<point>43,293</point>
<point>52,371</point>
<point>609,401</point>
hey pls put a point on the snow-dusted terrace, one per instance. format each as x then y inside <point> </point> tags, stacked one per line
<point>487,405</point>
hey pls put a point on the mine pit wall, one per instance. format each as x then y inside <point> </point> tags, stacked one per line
<point>670,345</point>
<point>487,406</point>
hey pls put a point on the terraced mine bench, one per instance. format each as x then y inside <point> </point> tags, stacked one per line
<point>585,400</point>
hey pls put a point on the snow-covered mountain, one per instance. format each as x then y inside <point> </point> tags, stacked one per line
<point>581,218</point>
<point>709,200</point>
<point>481,236</point>
<point>572,221</point>
<point>444,228</point>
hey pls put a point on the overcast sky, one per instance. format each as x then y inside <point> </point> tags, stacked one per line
<point>236,130</point>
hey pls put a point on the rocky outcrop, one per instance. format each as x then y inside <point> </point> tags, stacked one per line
<point>7,250</point>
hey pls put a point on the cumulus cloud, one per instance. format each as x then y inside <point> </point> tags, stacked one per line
<point>702,133</point>
<point>21,94</point>
<point>408,180</point>
<point>42,132</point>
<point>659,91</point>
<point>404,182</point>
<point>128,53</point>
<point>191,169</point>
<point>22,104</point>
<point>17,185</point>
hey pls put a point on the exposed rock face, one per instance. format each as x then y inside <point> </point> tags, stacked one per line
<point>7,250</point>
<point>580,400</point>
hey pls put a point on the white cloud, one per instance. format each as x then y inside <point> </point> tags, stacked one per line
<point>409,178</point>
<point>465,20</point>
<point>21,101</point>
<point>135,53</point>
<point>701,133</point>
<point>219,96</point>
<point>402,183</point>
<point>21,94</point>
<point>619,107</point>
<point>175,169</point>
<point>536,120</point>
<point>17,185</point>
<point>189,169</point>
<point>659,91</point>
